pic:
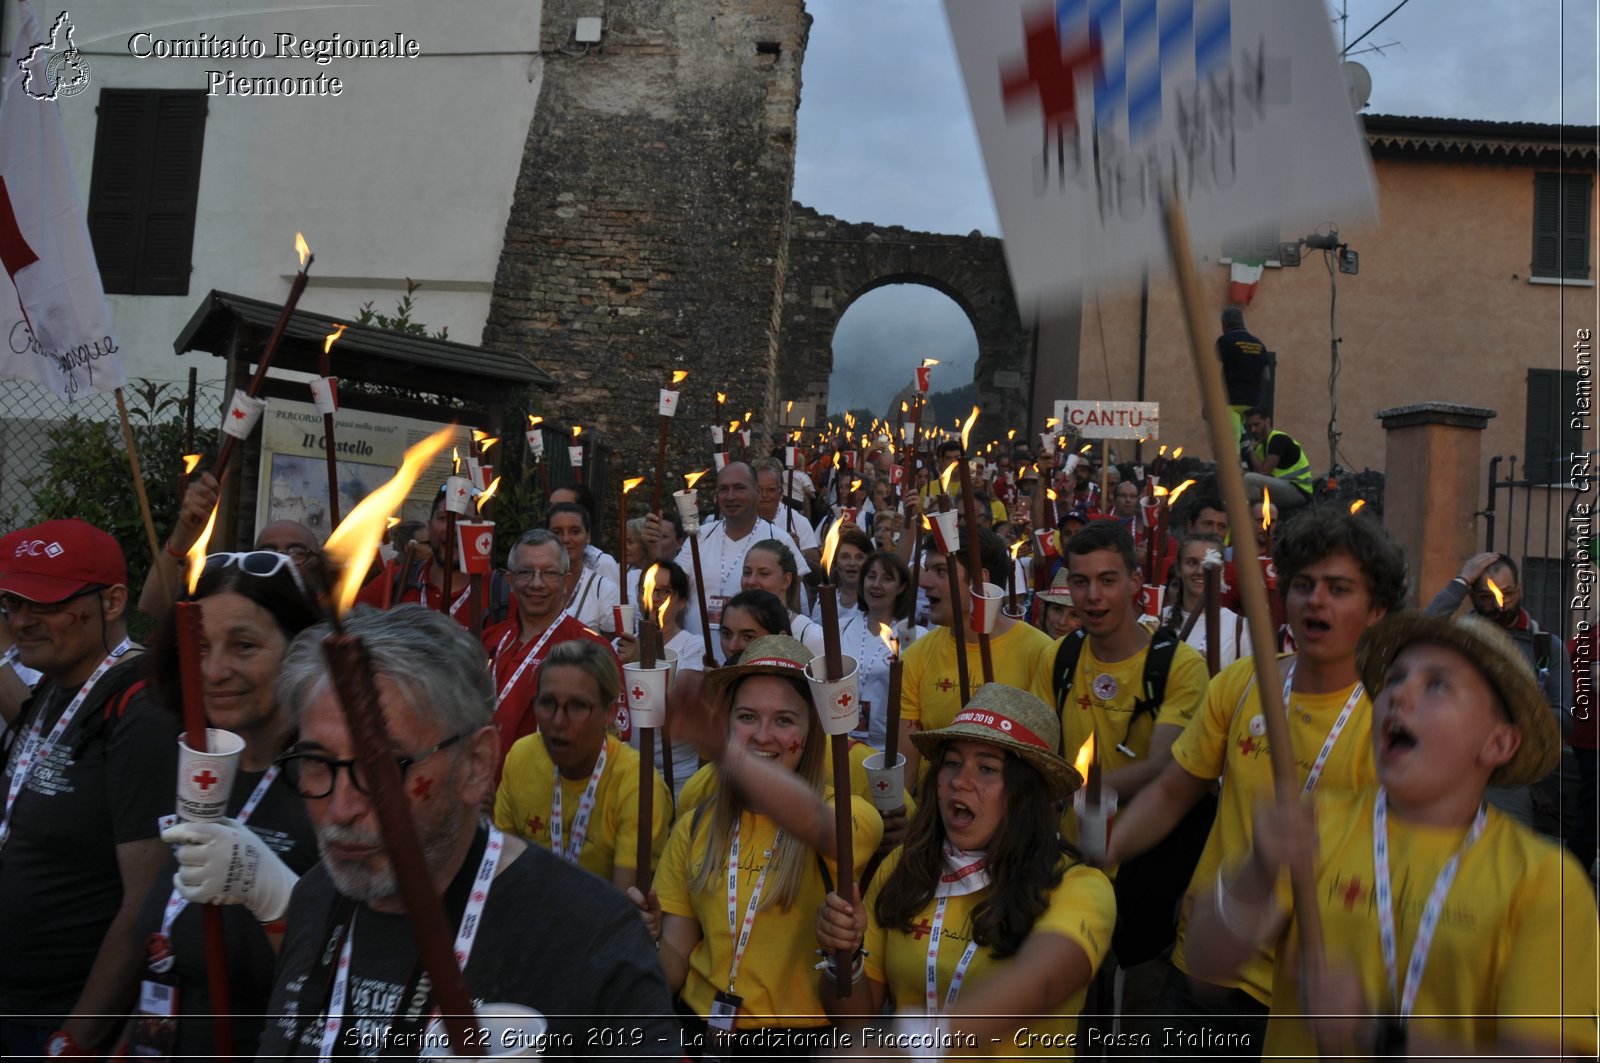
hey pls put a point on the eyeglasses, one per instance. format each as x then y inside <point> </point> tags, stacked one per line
<point>521,577</point>
<point>262,563</point>
<point>299,552</point>
<point>10,604</point>
<point>576,711</point>
<point>315,776</point>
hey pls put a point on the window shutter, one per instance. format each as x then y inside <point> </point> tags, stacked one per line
<point>1541,433</point>
<point>117,187</point>
<point>174,190</point>
<point>1576,197</point>
<point>1546,225</point>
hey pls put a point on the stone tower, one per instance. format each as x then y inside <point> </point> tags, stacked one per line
<point>649,230</point>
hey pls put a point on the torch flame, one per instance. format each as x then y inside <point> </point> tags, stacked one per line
<point>486,442</point>
<point>850,420</point>
<point>1159,492</point>
<point>1355,507</point>
<point>1012,434</point>
<point>733,426</point>
<point>333,337</point>
<point>302,249</point>
<point>630,484</point>
<point>679,376</point>
<point>692,478</point>
<point>855,485</point>
<point>534,420</point>
<point>648,594</point>
<point>944,478</point>
<point>747,415</point>
<point>1176,454</point>
<point>197,552</point>
<point>1085,756</point>
<point>1016,549</point>
<point>1086,448</point>
<point>391,522</point>
<point>788,406</point>
<point>886,633</point>
<point>1172,499</point>
<point>355,541</point>
<point>1050,493</point>
<point>1051,422</point>
<point>455,461</point>
<point>904,408</point>
<point>1162,452</point>
<point>488,493</point>
<point>1266,510</point>
<point>721,398</point>
<point>966,429</point>
<point>829,545</point>
<point>575,430</point>
<point>191,462</point>
<point>929,362</point>
<point>1499,598</point>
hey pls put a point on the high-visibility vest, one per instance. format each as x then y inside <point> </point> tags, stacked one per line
<point>1299,473</point>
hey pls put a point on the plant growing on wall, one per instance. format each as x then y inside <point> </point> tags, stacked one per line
<point>400,320</point>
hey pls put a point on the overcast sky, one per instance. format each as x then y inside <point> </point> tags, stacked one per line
<point>886,136</point>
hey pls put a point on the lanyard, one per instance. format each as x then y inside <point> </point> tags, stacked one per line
<point>934,937</point>
<point>471,920</point>
<point>733,900</point>
<point>422,596</point>
<point>580,823</point>
<point>34,750</point>
<point>1430,912</point>
<point>533,655</point>
<point>176,903</point>
<point>1333,735</point>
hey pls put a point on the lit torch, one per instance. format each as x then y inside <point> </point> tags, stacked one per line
<point>622,536</point>
<point>969,505</point>
<point>1092,806</point>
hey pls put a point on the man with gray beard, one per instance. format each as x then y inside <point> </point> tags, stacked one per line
<point>544,935</point>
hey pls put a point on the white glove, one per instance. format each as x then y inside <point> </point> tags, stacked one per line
<point>224,862</point>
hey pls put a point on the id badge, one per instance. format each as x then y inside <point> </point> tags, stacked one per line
<point>714,604</point>
<point>719,1027</point>
<point>155,1024</point>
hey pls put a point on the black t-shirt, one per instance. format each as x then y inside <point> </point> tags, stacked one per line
<point>1244,358</point>
<point>107,782</point>
<point>1285,449</point>
<point>281,821</point>
<point>554,938</point>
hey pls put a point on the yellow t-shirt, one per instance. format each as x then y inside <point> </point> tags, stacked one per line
<point>702,784</point>
<point>1515,940</point>
<point>931,690</point>
<point>1101,700</point>
<point>775,975</point>
<point>1222,742</point>
<point>1082,909</point>
<point>523,803</point>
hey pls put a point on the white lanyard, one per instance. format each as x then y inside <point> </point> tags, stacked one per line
<point>733,900</point>
<point>471,919</point>
<point>176,903</point>
<point>422,596</point>
<point>33,750</point>
<point>1430,912</point>
<point>580,823</point>
<point>532,657</point>
<point>934,937</point>
<point>1333,735</point>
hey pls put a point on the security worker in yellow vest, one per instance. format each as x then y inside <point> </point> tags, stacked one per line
<point>1277,462</point>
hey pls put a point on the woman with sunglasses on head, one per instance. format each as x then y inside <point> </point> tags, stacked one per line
<point>252,605</point>
<point>573,787</point>
<point>983,921</point>
<point>770,566</point>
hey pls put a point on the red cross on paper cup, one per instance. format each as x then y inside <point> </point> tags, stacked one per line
<point>205,780</point>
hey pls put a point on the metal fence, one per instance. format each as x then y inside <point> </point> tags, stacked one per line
<point>1531,521</point>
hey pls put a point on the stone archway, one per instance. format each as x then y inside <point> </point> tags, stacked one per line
<point>831,263</point>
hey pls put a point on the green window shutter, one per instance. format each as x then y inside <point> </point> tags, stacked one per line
<point>1546,225</point>
<point>1576,197</point>
<point>1550,437</point>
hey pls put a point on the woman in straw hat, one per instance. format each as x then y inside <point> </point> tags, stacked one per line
<point>1060,618</point>
<point>983,912</point>
<point>1448,928</point>
<point>757,856</point>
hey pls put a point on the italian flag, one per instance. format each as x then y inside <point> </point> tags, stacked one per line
<point>1242,283</point>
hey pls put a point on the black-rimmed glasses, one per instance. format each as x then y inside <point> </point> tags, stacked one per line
<point>314,776</point>
<point>11,604</point>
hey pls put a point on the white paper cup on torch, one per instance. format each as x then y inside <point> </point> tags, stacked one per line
<point>1094,824</point>
<point>575,457</point>
<point>887,784</point>
<point>791,457</point>
<point>623,616</point>
<point>206,779</point>
<point>243,413</point>
<point>716,435</point>
<point>744,437</point>
<point>475,546</point>
<point>838,703</point>
<point>688,503</point>
<point>668,405</point>
<point>1047,441</point>
<point>325,394</point>
<point>646,689</point>
<point>984,613</point>
<point>1152,599</point>
<point>720,460</point>
<point>536,441</point>
<point>458,495</point>
<point>504,1031</point>
<point>946,532</point>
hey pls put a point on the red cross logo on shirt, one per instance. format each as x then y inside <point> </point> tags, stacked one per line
<point>205,780</point>
<point>1049,75</point>
<point>1083,703</point>
<point>535,825</point>
<point>1247,746</point>
<point>1352,893</point>
<point>945,685</point>
<point>921,928</point>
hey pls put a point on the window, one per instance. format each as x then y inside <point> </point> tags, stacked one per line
<point>1561,222</point>
<point>1258,245</point>
<point>1546,592</point>
<point>146,180</point>
<point>1551,438</point>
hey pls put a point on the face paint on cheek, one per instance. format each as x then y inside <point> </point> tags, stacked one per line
<point>421,789</point>
<point>794,745</point>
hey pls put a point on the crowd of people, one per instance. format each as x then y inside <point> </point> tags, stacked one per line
<point>985,915</point>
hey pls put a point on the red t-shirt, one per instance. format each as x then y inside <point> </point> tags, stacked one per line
<point>515,668</point>
<point>418,590</point>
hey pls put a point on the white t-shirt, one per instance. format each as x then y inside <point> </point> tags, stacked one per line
<point>597,560</point>
<point>592,600</point>
<point>859,639</point>
<point>1235,636</point>
<point>804,535</point>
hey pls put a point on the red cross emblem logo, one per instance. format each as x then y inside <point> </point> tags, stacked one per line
<point>638,692</point>
<point>238,414</point>
<point>920,929</point>
<point>882,785</point>
<point>1083,703</point>
<point>205,780</point>
<point>420,788</point>
<point>1247,746</point>
<point>1352,893</point>
<point>945,685</point>
<point>535,825</point>
<point>843,700</point>
<point>1049,76</point>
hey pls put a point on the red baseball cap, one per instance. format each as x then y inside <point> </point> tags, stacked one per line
<point>51,562</point>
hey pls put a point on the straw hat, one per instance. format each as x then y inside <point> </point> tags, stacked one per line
<point>1060,593</point>
<point>1016,721</point>
<point>777,655</point>
<point>1501,662</point>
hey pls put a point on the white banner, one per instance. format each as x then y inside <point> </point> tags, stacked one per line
<point>64,339</point>
<point>1086,110</point>
<point>1095,419</point>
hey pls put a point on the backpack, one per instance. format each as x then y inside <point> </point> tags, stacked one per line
<point>1150,887</point>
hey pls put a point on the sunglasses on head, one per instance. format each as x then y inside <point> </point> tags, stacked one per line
<point>260,563</point>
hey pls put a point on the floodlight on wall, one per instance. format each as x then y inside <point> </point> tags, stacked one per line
<point>588,30</point>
